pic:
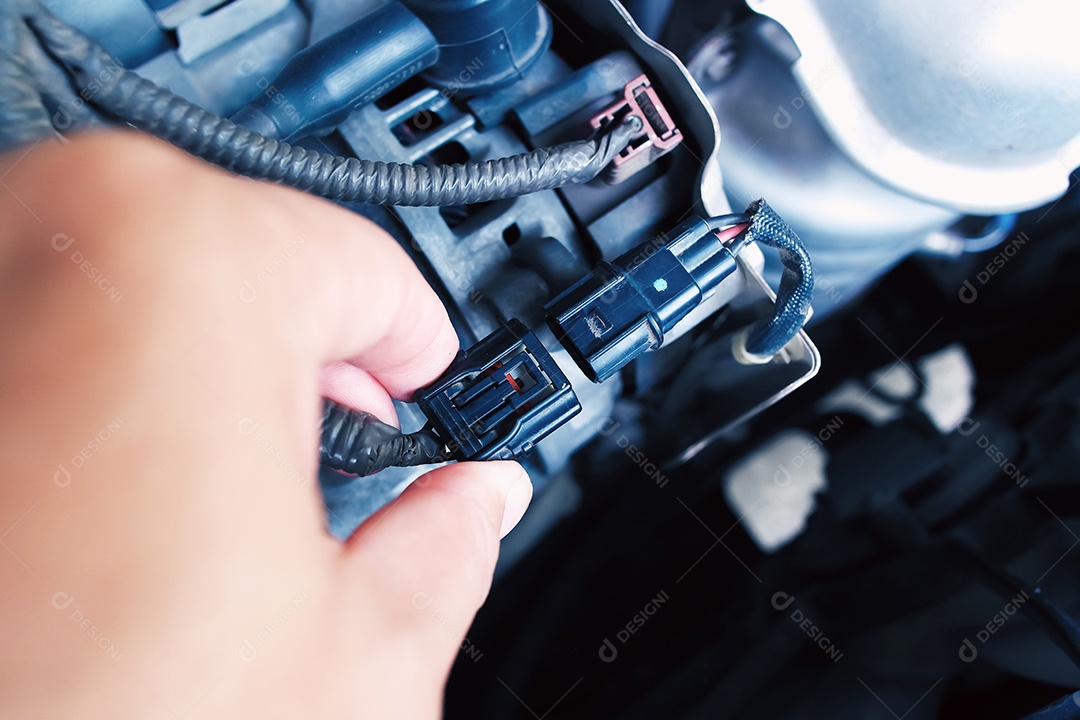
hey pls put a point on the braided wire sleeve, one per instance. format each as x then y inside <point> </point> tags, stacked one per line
<point>135,100</point>
<point>68,111</point>
<point>23,117</point>
<point>766,338</point>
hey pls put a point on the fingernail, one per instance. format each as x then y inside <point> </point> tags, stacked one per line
<point>517,502</point>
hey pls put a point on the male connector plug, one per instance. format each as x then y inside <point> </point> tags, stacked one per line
<point>625,307</point>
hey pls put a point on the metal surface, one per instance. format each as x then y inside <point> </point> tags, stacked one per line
<point>945,99</point>
<point>854,227</point>
<point>749,389</point>
<point>770,382</point>
<point>469,256</point>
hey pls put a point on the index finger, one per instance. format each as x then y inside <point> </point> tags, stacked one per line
<point>358,297</point>
<point>342,288</point>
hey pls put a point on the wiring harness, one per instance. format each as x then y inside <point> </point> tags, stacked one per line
<point>506,393</point>
<point>130,98</point>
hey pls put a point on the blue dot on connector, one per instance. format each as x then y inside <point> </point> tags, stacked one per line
<point>659,284</point>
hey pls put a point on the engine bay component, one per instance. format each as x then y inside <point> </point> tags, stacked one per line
<point>975,122</point>
<point>887,511</point>
<point>349,69</point>
<point>484,45</point>
<point>871,163</point>
<point>484,179</point>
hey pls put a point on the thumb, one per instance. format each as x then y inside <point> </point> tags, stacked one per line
<point>425,561</point>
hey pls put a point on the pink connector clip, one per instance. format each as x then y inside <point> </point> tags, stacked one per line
<point>660,136</point>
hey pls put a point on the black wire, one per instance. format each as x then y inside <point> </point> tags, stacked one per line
<point>721,222</point>
<point>49,81</point>
<point>358,443</point>
<point>143,104</point>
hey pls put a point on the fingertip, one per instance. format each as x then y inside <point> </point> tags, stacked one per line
<point>426,364</point>
<point>498,489</point>
<point>518,496</point>
<point>354,294</point>
<point>506,480</point>
<point>458,512</point>
<point>353,387</point>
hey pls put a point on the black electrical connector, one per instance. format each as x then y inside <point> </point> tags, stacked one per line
<point>506,393</point>
<point>495,402</point>
<point>625,307</point>
<point>500,397</point>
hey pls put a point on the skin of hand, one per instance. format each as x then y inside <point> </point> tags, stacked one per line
<point>168,330</point>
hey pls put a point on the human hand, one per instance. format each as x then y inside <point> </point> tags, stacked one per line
<point>168,331</point>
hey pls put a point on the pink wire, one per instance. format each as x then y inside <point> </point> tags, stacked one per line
<point>731,232</point>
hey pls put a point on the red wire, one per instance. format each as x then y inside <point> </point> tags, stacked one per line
<point>731,232</point>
